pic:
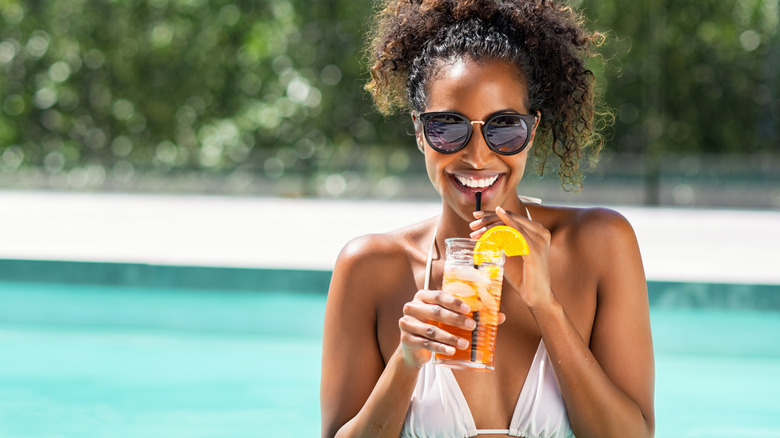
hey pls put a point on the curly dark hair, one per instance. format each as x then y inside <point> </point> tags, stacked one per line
<point>547,43</point>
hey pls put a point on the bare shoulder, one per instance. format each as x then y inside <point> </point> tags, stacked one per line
<point>370,259</point>
<point>368,270</point>
<point>600,236</point>
<point>382,248</point>
<point>603,229</point>
<point>588,225</point>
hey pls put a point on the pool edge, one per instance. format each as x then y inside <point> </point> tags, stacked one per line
<point>165,276</point>
<point>660,293</point>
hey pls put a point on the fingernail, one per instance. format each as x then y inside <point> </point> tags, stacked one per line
<point>500,210</point>
<point>464,308</point>
<point>462,344</point>
<point>471,324</point>
<point>451,350</point>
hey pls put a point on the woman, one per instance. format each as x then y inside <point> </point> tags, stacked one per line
<point>574,353</point>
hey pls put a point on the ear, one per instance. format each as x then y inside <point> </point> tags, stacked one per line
<point>538,117</point>
<point>418,131</point>
<point>420,142</point>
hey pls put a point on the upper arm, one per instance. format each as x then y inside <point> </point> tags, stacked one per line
<point>351,359</point>
<point>621,339</point>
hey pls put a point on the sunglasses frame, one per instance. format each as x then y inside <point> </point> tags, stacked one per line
<point>421,122</point>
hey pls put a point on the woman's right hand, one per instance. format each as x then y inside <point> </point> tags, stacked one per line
<point>420,336</point>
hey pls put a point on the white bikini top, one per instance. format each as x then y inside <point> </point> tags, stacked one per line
<point>438,408</point>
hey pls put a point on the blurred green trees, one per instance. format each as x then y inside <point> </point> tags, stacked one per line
<point>96,87</point>
<point>693,76</point>
<point>107,89</point>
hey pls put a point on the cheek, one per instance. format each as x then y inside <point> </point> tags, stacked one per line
<point>431,166</point>
<point>517,164</point>
<point>435,164</point>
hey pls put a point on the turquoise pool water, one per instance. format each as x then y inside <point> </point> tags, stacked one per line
<point>111,361</point>
<point>94,361</point>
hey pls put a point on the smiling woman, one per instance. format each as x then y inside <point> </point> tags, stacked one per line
<point>486,82</point>
<point>481,91</point>
<point>567,107</point>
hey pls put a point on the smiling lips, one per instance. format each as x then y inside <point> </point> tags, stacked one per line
<point>476,183</point>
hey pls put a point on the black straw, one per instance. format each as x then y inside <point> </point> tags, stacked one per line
<point>475,315</point>
<point>475,337</point>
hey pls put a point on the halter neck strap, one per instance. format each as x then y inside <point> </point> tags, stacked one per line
<point>429,262</point>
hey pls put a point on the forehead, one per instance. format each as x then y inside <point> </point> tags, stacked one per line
<point>477,88</point>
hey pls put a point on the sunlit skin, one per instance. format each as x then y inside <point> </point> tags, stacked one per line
<point>477,97</point>
<point>581,289</point>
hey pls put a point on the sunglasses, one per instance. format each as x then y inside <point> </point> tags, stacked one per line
<point>448,132</point>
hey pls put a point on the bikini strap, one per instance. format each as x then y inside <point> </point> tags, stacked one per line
<point>429,262</point>
<point>528,199</point>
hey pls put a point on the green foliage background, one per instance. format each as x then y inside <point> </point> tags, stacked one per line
<point>105,89</point>
<point>693,76</point>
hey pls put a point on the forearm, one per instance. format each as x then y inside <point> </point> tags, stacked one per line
<point>595,405</point>
<point>384,412</point>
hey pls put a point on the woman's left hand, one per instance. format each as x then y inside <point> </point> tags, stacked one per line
<point>530,276</point>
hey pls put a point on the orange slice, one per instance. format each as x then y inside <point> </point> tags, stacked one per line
<point>503,238</point>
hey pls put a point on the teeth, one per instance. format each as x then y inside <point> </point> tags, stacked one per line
<point>476,183</point>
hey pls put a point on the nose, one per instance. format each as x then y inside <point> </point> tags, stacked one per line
<point>477,153</point>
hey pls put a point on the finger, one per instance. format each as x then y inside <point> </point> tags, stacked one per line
<point>485,215</point>
<point>505,215</point>
<point>417,334</point>
<point>476,234</point>
<point>530,229</point>
<point>484,222</point>
<point>492,219</point>
<point>443,299</point>
<point>509,217</point>
<point>481,225</point>
<point>437,314</point>
<point>419,343</point>
<point>518,221</point>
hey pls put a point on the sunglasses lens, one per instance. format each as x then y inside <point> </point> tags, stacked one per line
<point>447,132</point>
<point>507,133</point>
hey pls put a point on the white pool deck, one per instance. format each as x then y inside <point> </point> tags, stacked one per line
<point>688,245</point>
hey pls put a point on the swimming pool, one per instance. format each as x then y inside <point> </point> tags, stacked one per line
<point>97,361</point>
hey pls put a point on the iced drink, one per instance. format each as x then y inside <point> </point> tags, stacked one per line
<point>479,286</point>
